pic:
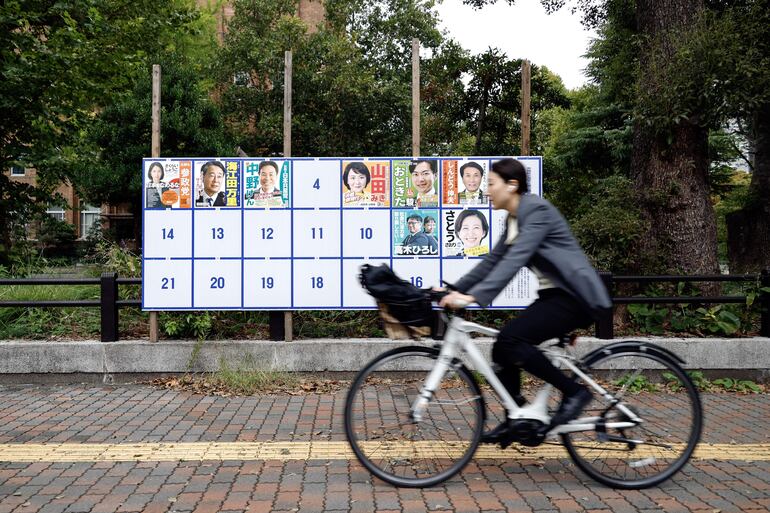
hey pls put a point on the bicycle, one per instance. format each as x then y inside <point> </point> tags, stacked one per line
<point>414,415</point>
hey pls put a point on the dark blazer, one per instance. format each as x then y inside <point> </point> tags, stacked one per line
<point>421,239</point>
<point>546,242</point>
<point>219,201</point>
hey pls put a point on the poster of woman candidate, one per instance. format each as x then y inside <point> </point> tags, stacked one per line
<point>466,232</point>
<point>415,232</point>
<point>365,184</point>
<point>267,183</point>
<point>464,182</point>
<point>168,184</point>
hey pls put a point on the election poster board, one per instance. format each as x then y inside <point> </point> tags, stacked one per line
<point>292,234</point>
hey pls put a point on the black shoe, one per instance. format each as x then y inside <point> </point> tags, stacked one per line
<point>500,432</point>
<point>496,435</point>
<point>571,406</point>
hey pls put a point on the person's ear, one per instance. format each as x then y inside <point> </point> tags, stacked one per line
<point>513,185</point>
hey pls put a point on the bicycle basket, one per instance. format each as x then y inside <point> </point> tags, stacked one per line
<point>399,301</point>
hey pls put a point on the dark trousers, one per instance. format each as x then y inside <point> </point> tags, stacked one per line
<point>553,314</point>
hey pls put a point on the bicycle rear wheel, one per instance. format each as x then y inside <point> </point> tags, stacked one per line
<point>655,388</point>
<point>385,437</point>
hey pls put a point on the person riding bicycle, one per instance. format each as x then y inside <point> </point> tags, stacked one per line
<point>571,294</point>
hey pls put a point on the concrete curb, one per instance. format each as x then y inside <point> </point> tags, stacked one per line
<point>333,355</point>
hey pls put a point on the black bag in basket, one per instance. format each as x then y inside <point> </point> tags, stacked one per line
<point>407,303</point>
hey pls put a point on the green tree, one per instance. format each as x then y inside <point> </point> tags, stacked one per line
<point>191,125</point>
<point>669,149</point>
<point>60,62</point>
<point>350,82</point>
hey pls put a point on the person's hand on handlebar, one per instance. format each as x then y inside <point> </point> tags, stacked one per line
<point>456,300</point>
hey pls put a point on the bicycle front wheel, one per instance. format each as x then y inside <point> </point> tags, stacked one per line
<point>383,433</point>
<point>659,392</point>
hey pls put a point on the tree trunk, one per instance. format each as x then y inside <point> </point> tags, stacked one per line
<point>748,229</point>
<point>482,114</point>
<point>670,171</point>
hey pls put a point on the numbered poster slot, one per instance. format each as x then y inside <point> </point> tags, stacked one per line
<point>167,284</point>
<point>267,283</point>
<point>421,273</point>
<point>267,233</point>
<point>168,233</point>
<point>317,283</point>
<point>218,233</point>
<point>217,283</point>
<point>353,294</point>
<point>317,184</point>
<point>316,233</point>
<point>366,233</point>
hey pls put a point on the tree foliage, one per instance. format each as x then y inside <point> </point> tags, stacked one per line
<point>60,62</point>
<point>120,136</point>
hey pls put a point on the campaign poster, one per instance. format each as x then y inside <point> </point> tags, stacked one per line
<point>465,232</point>
<point>365,184</point>
<point>267,183</point>
<point>217,183</point>
<point>168,184</point>
<point>465,182</point>
<point>415,232</point>
<point>415,183</point>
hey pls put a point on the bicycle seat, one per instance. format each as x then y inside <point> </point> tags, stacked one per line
<point>567,339</point>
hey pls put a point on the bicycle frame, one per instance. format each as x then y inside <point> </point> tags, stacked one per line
<point>457,341</point>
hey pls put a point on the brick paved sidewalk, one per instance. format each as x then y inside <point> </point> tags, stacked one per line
<point>128,415</point>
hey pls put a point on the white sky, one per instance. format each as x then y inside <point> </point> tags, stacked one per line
<point>522,31</point>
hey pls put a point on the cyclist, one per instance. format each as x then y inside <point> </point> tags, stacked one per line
<point>571,294</point>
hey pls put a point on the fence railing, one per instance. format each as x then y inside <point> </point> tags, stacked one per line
<point>604,327</point>
<point>110,303</point>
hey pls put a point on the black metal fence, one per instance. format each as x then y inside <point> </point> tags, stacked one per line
<point>110,303</point>
<point>604,328</point>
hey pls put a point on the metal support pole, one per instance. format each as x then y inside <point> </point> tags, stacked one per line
<point>604,327</point>
<point>109,308</point>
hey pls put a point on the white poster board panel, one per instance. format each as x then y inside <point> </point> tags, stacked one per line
<point>317,284</point>
<point>353,294</point>
<point>316,183</point>
<point>217,233</point>
<point>267,283</point>
<point>420,272</point>
<point>266,233</point>
<point>316,233</point>
<point>217,284</point>
<point>167,284</point>
<point>168,233</point>
<point>366,233</point>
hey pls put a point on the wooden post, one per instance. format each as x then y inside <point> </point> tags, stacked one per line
<point>526,75</point>
<point>155,153</point>
<point>288,321</point>
<point>415,97</point>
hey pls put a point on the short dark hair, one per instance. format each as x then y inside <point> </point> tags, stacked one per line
<point>415,163</point>
<point>265,163</point>
<point>428,218</point>
<point>475,165</point>
<point>512,169</point>
<point>358,167</point>
<point>149,171</point>
<point>465,214</point>
<point>414,216</point>
<point>205,167</point>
